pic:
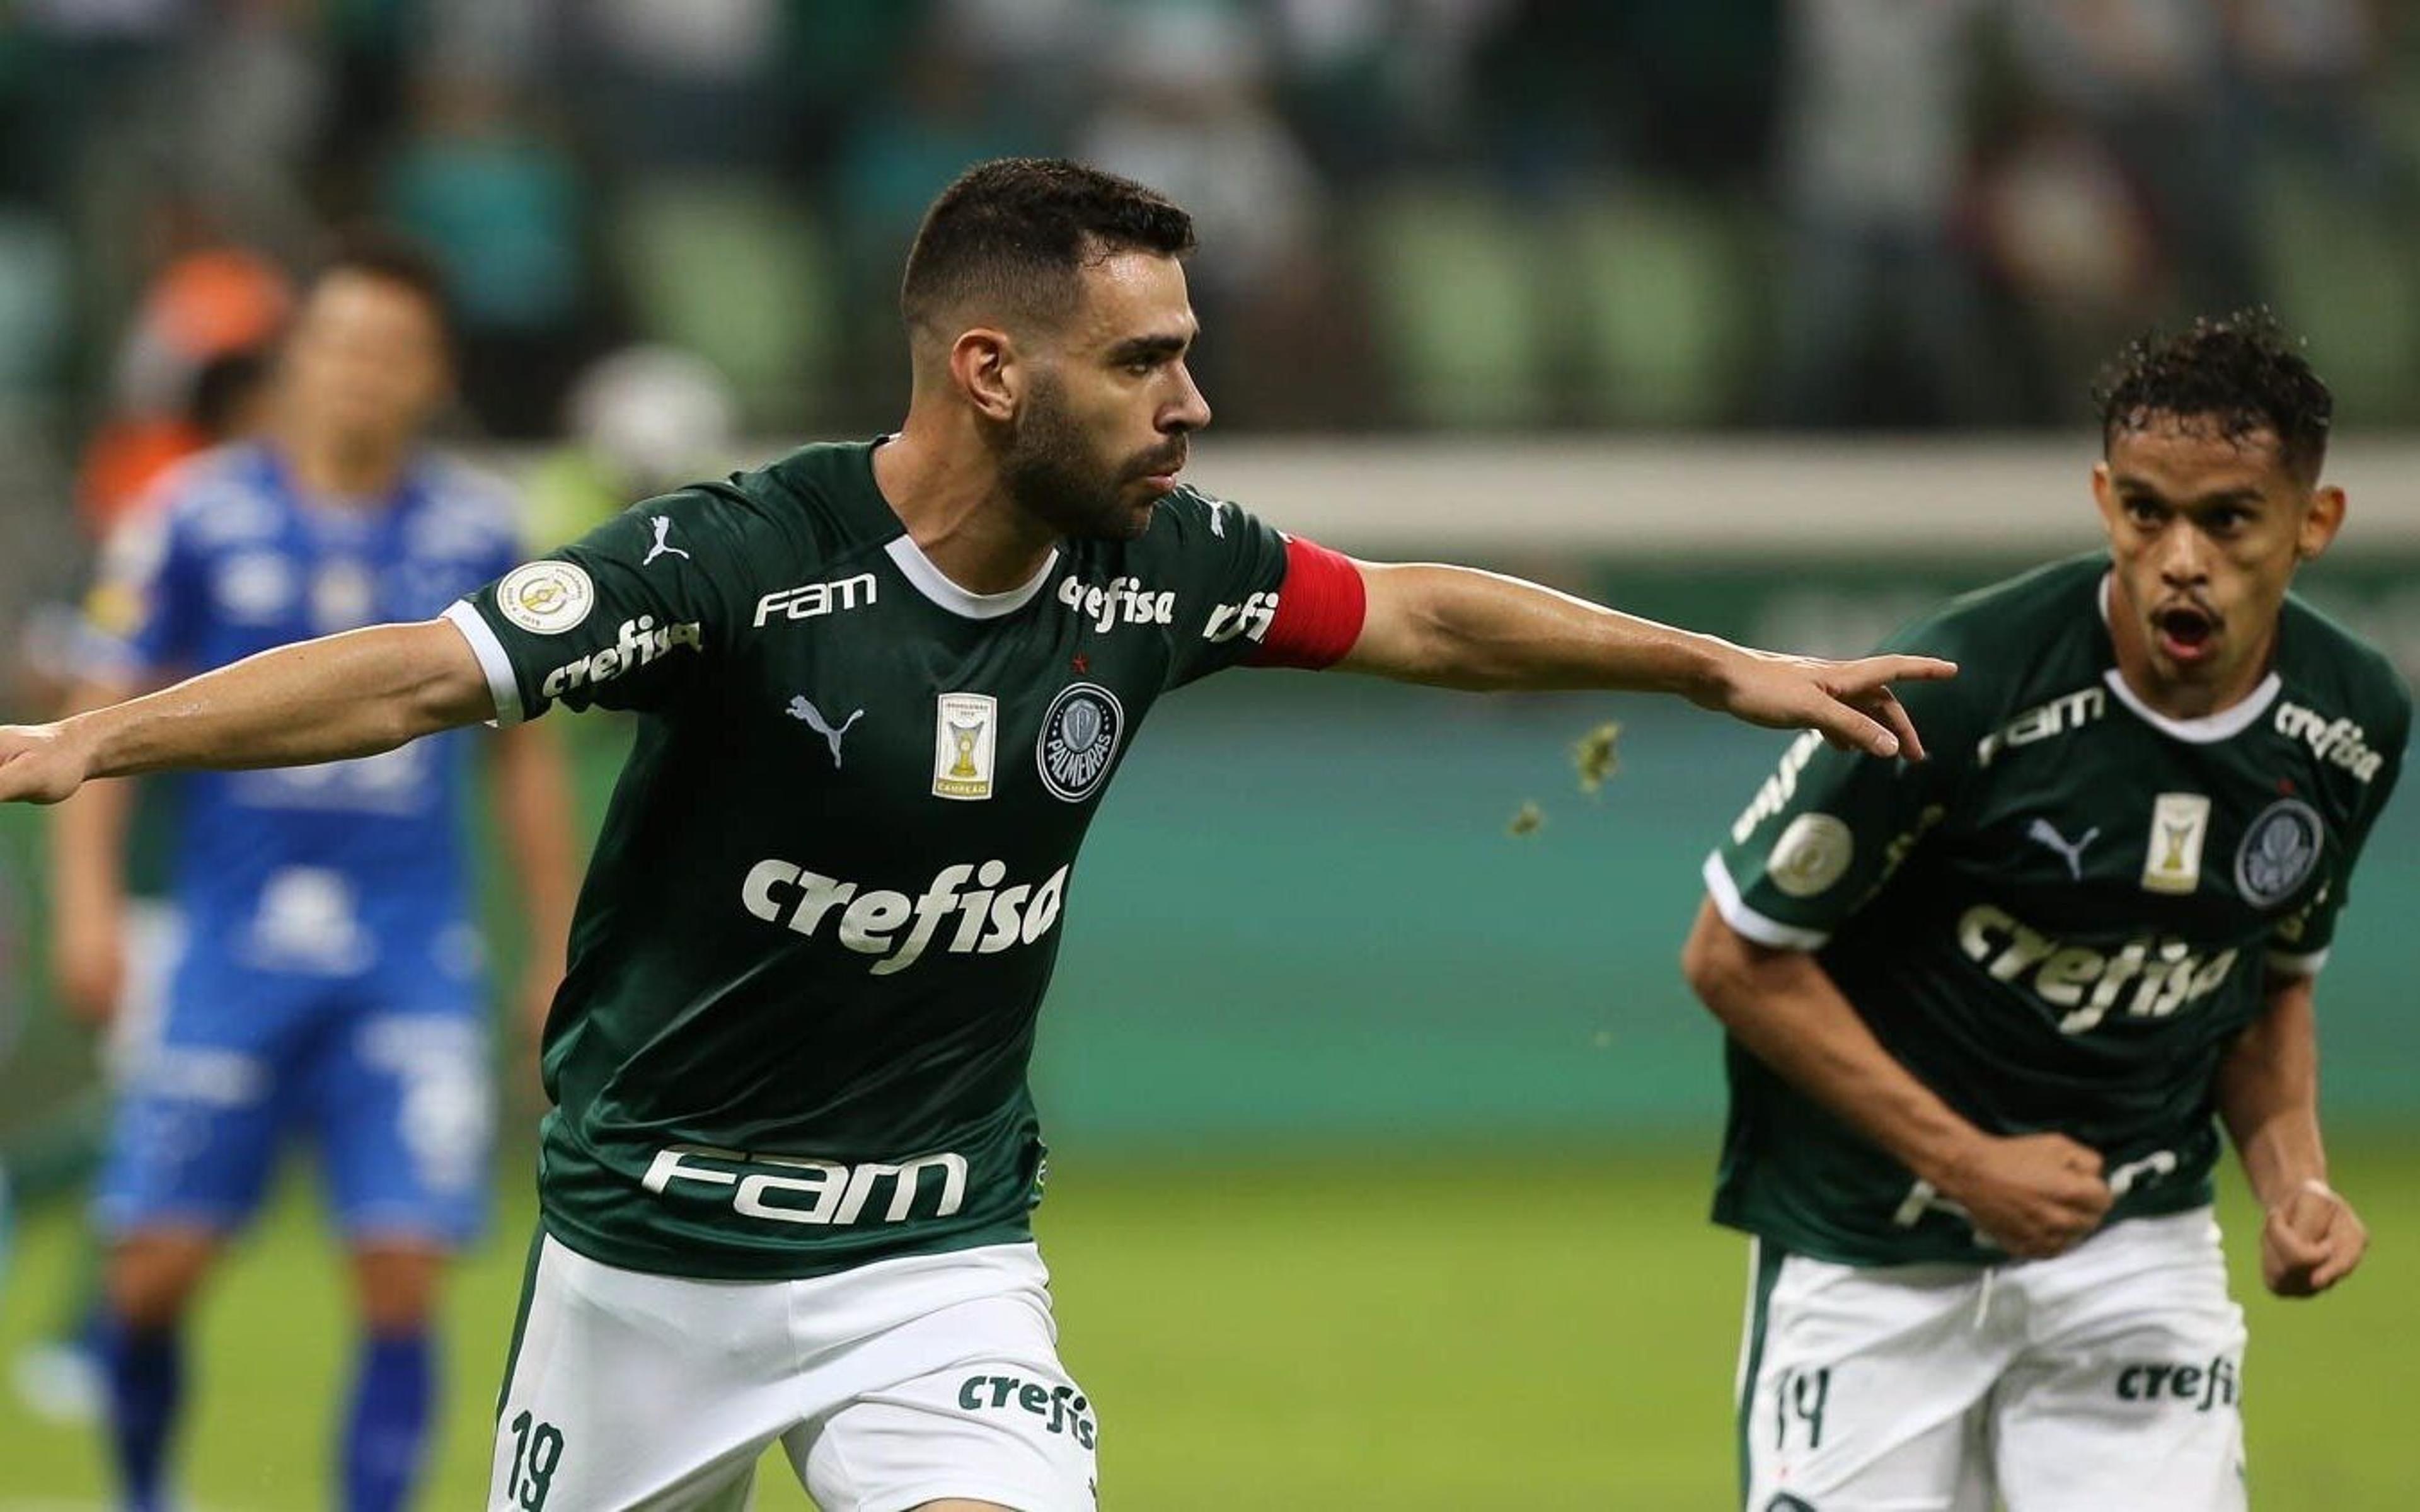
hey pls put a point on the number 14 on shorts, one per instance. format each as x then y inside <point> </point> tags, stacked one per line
<point>537,1448</point>
<point>1798,1400</point>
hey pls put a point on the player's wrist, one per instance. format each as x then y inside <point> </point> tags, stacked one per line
<point>1712,671</point>
<point>2302,1186</point>
<point>2281,1161</point>
<point>1948,1159</point>
<point>86,742</point>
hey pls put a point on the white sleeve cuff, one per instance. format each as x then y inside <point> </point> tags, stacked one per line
<point>2287,965</point>
<point>503,686</point>
<point>1747,921</point>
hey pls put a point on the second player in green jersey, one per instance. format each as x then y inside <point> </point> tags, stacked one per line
<point>1988,1012</point>
<point>2059,921</point>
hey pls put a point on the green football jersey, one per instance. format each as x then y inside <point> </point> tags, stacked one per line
<point>824,901</point>
<point>2062,919</point>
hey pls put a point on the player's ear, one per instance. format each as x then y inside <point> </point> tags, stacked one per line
<point>2104,495</point>
<point>2320,523</point>
<point>984,365</point>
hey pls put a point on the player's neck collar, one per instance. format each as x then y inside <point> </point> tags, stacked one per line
<point>2207,730</point>
<point>929,580</point>
<point>918,568</point>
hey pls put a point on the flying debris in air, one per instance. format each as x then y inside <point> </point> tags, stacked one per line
<point>1597,757</point>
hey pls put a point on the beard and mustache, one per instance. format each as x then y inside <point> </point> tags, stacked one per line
<point>1050,470</point>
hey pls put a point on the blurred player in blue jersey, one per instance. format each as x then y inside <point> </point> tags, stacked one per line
<point>122,976</point>
<point>331,986</point>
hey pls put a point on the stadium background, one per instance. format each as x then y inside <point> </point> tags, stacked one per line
<point>1381,1131</point>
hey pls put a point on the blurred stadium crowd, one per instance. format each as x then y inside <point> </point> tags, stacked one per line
<point>1416,214</point>
<point>1681,211</point>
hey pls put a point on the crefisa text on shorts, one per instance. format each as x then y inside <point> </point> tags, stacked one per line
<point>1064,1410</point>
<point>2206,1386</point>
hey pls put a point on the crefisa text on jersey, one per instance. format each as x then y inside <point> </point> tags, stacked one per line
<point>637,643</point>
<point>2337,742</point>
<point>1123,601</point>
<point>2167,974</point>
<point>1774,792</point>
<point>990,918</point>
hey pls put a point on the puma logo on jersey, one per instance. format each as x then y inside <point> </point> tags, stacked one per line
<point>2067,712</point>
<point>1123,601</point>
<point>2166,974</point>
<point>990,918</point>
<point>809,600</point>
<point>802,709</point>
<point>637,643</point>
<point>2041,831</point>
<point>663,547</point>
<point>2337,742</point>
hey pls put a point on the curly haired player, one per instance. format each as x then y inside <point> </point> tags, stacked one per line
<point>1986,1014</point>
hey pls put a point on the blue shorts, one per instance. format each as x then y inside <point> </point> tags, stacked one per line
<point>387,1075</point>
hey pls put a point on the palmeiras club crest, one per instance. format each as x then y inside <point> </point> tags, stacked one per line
<point>1078,740</point>
<point>2280,851</point>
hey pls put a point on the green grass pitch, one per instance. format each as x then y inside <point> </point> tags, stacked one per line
<point>1411,1330</point>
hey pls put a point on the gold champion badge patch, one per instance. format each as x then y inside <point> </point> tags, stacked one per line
<point>2172,856</point>
<point>966,737</point>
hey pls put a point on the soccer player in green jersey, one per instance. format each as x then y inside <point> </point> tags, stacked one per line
<point>1986,1014</point>
<point>786,1184</point>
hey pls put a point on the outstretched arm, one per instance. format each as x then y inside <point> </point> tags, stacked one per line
<point>1459,627</point>
<point>347,695</point>
<point>2269,1098</point>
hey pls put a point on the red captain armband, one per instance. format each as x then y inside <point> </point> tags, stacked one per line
<point>1320,608</point>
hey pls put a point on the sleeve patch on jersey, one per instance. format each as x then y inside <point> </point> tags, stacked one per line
<point>1320,609</point>
<point>1811,855</point>
<point>547,597</point>
<point>2286,964</point>
<point>503,686</point>
<point>1747,921</point>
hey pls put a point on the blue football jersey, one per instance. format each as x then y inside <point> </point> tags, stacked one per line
<point>321,871</point>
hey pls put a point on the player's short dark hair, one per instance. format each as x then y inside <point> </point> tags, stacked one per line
<point>2239,373</point>
<point>374,252</point>
<point>1011,237</point>
<point>223,387</point>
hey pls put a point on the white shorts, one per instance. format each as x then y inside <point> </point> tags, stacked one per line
<point>2107,1377</point>
<point>891,1385</point>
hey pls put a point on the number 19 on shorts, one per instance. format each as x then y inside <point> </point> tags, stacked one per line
<point>537,1448</point>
